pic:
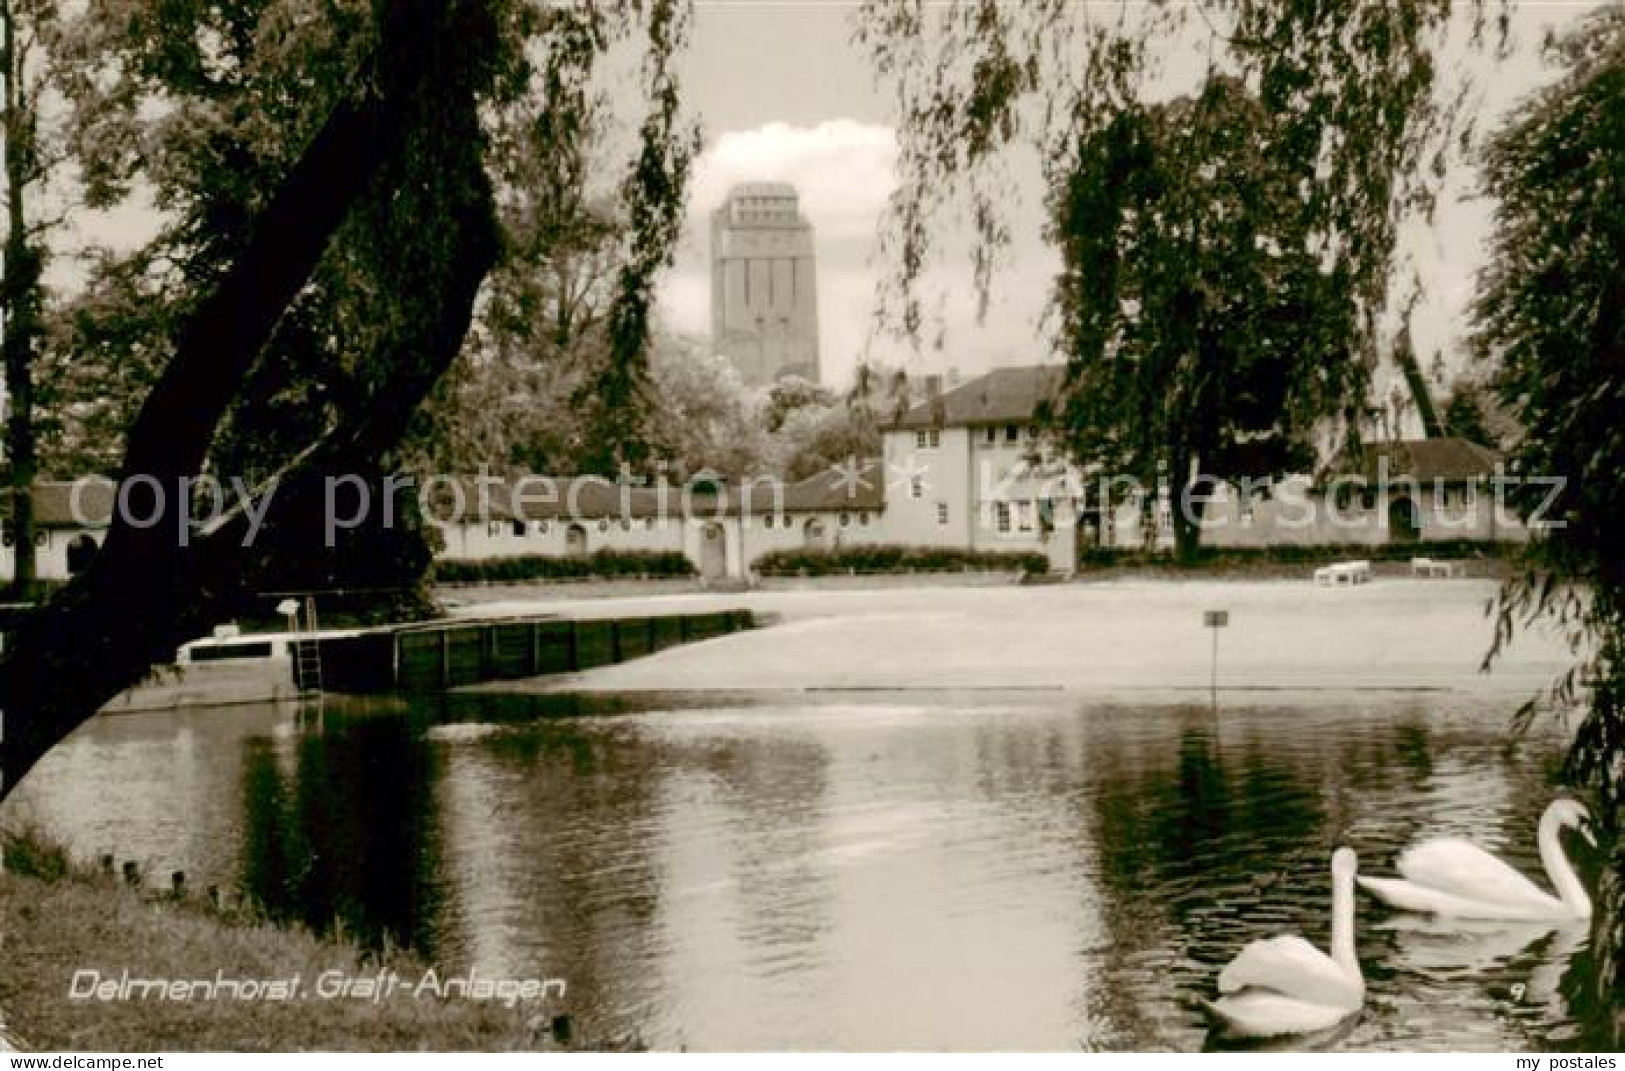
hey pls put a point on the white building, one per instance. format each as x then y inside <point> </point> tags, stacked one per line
<point>70,522</point>
<point>720,531</point>
<point>967,469</point>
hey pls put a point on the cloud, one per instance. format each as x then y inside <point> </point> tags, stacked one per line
<point>843,169</point>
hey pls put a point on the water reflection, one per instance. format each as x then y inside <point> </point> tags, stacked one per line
<point>891,871</point>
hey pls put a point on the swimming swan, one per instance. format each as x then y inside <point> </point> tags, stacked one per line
<point>1456,878</point>
<point>1285,985</point>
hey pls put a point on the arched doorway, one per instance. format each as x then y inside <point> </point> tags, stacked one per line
<point>814,536</point>
<point>713,552</point>
<point>80,553</point>
<point>1404,520</point>
<point>575,541</point>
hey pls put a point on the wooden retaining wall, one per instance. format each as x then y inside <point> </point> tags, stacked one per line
<point>432,658</point>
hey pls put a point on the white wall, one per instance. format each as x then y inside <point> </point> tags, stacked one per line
<point>944,474</point>
<point>1295,514</point>
<point>50,553</point>
<point>766,533</point>
<point>482,540</point>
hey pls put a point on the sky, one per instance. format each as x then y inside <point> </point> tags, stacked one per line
<point>782,94</point>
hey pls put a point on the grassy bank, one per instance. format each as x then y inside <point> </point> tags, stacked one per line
<point>56,919</point>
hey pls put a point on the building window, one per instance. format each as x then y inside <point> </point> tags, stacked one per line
<point>767,522</point>
<point>942,513</point>
<point>936,438</point>
<point>541,527</point>
<point>919,440</point>
<point>519,529</point>
<point>1001,516</point>
<point>649,523</point>
<point>1024,516</point>
<point>1012,433</point>
<point>916,487</point>
<point>863,518</point>
<point>990,435</point>
<point>603,525</point>
<point>626,524</point>
<point>846,520</point>
<point>493,528</point>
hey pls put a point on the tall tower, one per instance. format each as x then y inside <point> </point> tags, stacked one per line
<point>764,283</point>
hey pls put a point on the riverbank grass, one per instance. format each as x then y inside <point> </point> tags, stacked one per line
<point>57,920</point>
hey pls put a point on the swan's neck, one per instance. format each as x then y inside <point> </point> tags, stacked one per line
<point>1560,871</point>
<point>1343,926</point>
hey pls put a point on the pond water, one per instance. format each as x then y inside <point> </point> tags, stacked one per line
<point>908,868</point>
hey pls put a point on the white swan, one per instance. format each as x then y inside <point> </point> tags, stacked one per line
<point>1285,985</point>
<point>1456,878</point>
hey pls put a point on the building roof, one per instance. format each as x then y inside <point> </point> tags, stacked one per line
<point>1448,459</point>
<point>762,189</point>
<point>856,486</point>
<point>1003,396</point>
<point>536,498</point>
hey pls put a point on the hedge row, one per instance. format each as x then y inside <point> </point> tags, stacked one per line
<point>896,559</point>
<point>603,563</point>
<point>1292,555</point>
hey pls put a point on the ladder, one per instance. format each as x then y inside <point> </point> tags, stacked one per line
<point>307,652</point>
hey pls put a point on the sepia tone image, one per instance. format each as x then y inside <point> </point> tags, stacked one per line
<point>687,525</point>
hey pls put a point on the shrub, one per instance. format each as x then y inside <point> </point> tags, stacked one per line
<point>603,563</point>
<point>889,558</point>
<point>33,853</point>
<point>1211,557</point>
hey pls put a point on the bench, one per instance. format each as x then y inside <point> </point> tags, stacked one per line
<point>1339,573</point>
<point>1436,567</point>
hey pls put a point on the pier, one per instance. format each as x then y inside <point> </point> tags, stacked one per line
<point>437,656</point>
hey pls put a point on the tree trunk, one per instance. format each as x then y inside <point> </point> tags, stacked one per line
<point>20,301</point>
<point>145,593</point>
<point>1187,528</point>
<point>1416,382</point>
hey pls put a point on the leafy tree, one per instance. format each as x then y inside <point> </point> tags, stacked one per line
<point>1551,311</point>
<point>1404,355</point>
<point>540,333</point>
<point>1352,125</point>
<point>1465,416</point>
<point>708,419</point>
<point>29,161</point>
<point>792,393</point>
<point>376,221</point>
<point>1204,339</point>
<point>815,438</point>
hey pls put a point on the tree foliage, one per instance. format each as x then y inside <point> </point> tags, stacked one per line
<point>1351,132</point>
<point>30,158</point>
<point>1202,335</point>
<point>330,220</point>
<point>1551,313</point>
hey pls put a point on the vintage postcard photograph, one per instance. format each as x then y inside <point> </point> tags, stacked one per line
<point>812,526</point>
